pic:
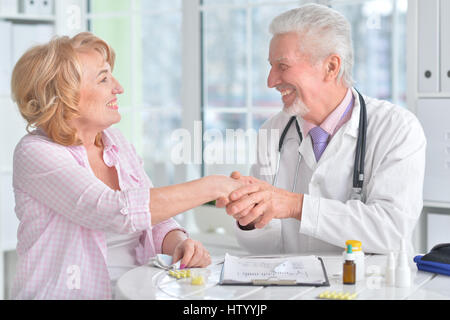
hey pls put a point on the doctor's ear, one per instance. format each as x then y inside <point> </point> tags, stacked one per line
<point>332,66</point>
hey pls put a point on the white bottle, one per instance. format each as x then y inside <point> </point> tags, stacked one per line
<point>390,270</point>
<point>403,272</point>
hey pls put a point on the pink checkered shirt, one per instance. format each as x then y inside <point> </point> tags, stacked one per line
<point>64,212</point>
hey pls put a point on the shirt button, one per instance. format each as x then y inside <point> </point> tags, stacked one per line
<point>124,211</point>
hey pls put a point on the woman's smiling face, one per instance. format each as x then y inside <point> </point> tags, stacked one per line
<point>98,106</point>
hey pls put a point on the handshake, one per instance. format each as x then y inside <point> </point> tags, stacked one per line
<point>254,203</point>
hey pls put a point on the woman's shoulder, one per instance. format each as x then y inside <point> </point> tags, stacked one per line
<point>36,152</point>
<point>37,140</point>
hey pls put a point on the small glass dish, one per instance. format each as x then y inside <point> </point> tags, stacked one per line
<point>199,276</point>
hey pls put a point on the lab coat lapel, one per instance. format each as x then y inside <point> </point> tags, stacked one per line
<point>352,126</point>
<point>306,150</point>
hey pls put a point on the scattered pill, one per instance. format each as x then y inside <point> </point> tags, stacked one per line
<point>179,273</point>
<point>337,295</point>
<point>197,281</point>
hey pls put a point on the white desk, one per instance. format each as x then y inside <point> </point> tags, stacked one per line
<point>147,282</point>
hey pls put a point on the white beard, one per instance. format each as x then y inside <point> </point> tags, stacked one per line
<point>298,108</point>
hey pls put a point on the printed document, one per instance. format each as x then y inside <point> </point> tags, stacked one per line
<point>296,270</point>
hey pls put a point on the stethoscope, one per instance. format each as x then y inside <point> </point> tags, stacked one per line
<point>358,170</point>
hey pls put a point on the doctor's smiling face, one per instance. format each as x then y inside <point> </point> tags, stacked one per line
<point>299,82</point>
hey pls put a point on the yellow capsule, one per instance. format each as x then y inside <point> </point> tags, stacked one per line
<point>198,281</point>
<point>342,296</point>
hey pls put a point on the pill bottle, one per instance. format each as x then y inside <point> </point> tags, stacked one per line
<point>349,267</point>
<point>359,258</point>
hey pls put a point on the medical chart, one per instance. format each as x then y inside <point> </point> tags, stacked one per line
<point>300,270</point>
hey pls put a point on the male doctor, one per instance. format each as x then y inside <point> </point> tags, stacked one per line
<point>311,58</point>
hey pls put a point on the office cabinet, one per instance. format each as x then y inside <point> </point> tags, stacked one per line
<point>36,7</point>
<point>428,40</point>
<point>8,6</point>
<point>428,95</point>
<point>433,46</point>
<point>30,7</point>
<point>45,6</point>
<point>445,45</point>
<point>434,115</point>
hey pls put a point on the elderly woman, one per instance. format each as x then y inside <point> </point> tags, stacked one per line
<point>88,212</point>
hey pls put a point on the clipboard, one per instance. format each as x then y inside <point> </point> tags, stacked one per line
<point>267,277</point>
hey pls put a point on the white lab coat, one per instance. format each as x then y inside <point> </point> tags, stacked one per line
<point>392,193</point>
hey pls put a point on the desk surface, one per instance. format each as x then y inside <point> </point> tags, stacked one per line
<point>147,282</point>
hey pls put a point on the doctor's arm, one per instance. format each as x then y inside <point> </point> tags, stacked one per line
<point>393,200</point>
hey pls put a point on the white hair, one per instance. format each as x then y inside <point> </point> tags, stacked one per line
<point>323,31</point>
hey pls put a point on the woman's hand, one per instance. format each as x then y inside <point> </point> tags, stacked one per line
<point>225,185</point>
<point>192,254</point>
<point>239,181</point>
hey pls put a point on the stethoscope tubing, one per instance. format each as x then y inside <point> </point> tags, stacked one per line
<point>358,172</point>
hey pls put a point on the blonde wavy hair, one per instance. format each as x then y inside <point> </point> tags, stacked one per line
<point>46,82</point>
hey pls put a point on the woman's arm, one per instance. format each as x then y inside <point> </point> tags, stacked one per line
<point>166,202</point>
<point>49,173</point>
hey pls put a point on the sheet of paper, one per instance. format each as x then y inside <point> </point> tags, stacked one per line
<point>302,269</point>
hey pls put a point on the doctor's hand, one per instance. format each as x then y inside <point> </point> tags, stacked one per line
<point>259,202</point>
